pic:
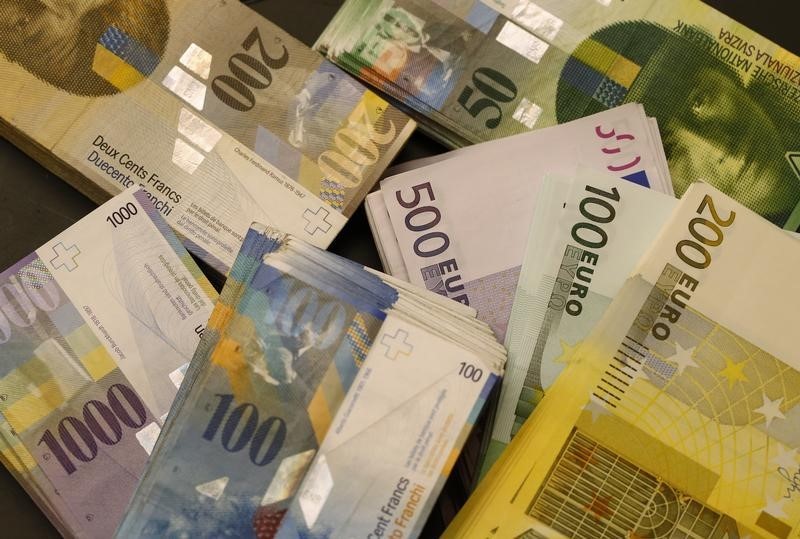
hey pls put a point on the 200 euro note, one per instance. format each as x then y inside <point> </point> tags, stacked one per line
<point>461,224</point>
<point>218,114</point>
<point>587,234</point>
<point>677,416</point>
<point>727,99</point>
<point>96,328</point>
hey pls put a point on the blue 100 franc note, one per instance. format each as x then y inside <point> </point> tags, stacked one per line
<point>280,352</point>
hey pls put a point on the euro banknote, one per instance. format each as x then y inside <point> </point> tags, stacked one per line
<point>587,234</point>
<point>726,98</point>
<point>444,216</point>
<point>300,347</point>
<point>96,329</point>
<point>677,416</point>
<point>221,116</point>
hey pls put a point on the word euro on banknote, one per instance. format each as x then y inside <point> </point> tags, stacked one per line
<point>587,234</point>
<point>297,333</point>
<point>220,115</point>
<point>727,99</point>
<point>445,217</point>
<point>677,417</point>
<point>380,222</point>
<point>96,329</point>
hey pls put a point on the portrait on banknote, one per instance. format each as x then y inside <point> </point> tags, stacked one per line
<point>720,120</point>
<point>81,38</point>
<point>420,56</point>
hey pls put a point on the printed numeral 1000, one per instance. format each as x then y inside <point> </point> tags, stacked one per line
<point>121,215</point>
<point>90,429</point>
<point>244,420</point>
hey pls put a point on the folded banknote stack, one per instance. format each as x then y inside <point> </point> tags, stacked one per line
<point>97,327</point>
<point>457,223</point>
<point>325,400</point>
<point>725,97</point>
<point>668,405</point>
<point>219,115</point>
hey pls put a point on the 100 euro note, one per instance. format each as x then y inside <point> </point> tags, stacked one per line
<point>279,354</point>
<point>588,232</point>
<point>726,98</point>
<point>96,328</point>
<point>677,417</point>
<point>446,217</point>
<point>218,114</point>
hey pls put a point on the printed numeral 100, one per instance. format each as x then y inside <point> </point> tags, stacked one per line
<point>90,429</point>
<point>244,420</point>
<point>470,371</point>
<point>121,215</point>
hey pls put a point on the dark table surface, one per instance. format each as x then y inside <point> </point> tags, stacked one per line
<point>36,205</point>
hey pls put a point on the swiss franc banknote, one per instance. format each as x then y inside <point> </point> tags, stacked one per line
<point>677,416</point>
<point>588,232</point>
<point>300,346</point>
<point>96,329</point>
<point>221,116</point>
<point>461,224</point>
<point>727,99</point>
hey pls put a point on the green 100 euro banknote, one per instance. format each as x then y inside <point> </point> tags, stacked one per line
<point>678,415</point>
<point>588,232</point>
<point>221,116</point>
<point>726,99</point>
<point>97,327</point>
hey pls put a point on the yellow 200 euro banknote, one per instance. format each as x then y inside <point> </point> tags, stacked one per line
<point>678,415</point>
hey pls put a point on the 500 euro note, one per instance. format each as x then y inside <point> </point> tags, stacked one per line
<point>461,224</point>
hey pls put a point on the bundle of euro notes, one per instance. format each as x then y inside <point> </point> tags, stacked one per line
<point>97,327</point>
<point>324,400</point>
<point>221,116</point>
<point>458,225</point>
<point>727,99</point>
<point>587,234</point>
<point>675,415</point>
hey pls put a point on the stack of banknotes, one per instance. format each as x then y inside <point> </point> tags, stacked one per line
<point>669,408</point>
<point>324,400</point>
<point>457,223</point>
<point>219,115</point>
<point>322,396</point>
<point>97,328</point>
<point>727,99</point>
